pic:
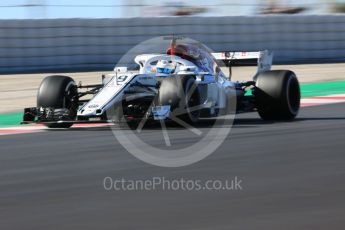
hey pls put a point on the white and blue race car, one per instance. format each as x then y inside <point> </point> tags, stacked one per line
<point>185,83</point>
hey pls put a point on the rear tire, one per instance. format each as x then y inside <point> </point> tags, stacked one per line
<point>277,95</point>
<point>58,92</point>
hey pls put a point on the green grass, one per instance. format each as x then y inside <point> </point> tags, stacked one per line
<point>10,119</point>
<point>319,89</point>
<point>322,88</point>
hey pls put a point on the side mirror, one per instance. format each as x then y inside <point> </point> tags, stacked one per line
<point>120,69</point>
<point>188,68</point>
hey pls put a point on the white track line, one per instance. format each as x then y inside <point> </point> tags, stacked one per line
<point>323,100</point>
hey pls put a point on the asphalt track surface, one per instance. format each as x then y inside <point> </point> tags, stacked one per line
<point>293,178</point>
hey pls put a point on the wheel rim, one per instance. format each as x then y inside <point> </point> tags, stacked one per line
<point>72,106</point>
<point>192,102</point>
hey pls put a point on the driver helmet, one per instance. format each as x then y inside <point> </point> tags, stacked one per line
<point>166,66</point>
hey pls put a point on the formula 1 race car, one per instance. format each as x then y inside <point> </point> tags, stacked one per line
<point>186,83</point>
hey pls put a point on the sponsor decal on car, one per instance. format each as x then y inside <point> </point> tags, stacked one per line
<point>93,106</point>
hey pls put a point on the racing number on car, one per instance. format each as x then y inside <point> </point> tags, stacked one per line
<point>121,79</point>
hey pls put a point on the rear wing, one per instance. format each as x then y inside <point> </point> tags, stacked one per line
<point>263,59</point>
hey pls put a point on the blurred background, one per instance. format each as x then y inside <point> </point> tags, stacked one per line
<point>83,35</point>
<point>12,9</point>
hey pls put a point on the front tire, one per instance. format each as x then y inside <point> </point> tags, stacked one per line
<point>182,94</point>
<point>58,92</point>
<point>277,95</point>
